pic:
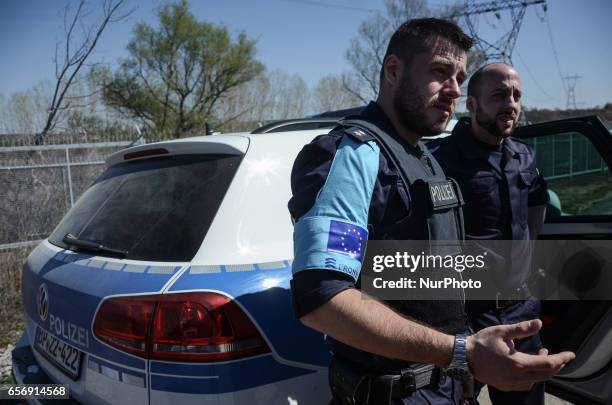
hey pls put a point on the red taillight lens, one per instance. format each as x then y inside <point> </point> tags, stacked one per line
<point>199,326</point>
<point>203,327</point>
<point>124,323</point>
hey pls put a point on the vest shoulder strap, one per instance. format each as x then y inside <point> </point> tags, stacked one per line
<point>445,225</point>
<point>359,134</point>
<point>409,169</point>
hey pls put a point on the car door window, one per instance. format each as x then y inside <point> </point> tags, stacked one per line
<point>579,181</point>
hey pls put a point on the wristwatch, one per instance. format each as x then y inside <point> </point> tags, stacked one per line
<point>458,368</point>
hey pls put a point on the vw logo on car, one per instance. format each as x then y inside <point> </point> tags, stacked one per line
<point>42,302</point>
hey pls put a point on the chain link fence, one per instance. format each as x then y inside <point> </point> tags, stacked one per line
<point>38,186</point>
<point>41,183</point>
<point>71,138</point>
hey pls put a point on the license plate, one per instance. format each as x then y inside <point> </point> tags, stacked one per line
<point>66,357</point>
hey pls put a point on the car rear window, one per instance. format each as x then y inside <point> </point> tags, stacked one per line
<point>156,209</point>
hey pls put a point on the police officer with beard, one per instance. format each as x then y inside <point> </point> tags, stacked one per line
<point>505,199</point>
<point>370,178</point>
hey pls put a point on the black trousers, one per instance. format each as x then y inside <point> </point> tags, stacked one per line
<point>518,312</point>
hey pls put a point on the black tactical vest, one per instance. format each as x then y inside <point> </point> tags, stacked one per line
<point>433,216</point>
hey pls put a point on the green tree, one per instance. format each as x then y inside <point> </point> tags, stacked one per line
<point>177,72</point>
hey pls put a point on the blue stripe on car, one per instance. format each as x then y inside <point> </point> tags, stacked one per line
<point>266,296</point>
<point>125,375</point>
<point>225,377</point>
<point>257,287</point>
<point>81,289</point>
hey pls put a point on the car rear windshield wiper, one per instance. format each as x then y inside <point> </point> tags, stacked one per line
<point>72,241</point>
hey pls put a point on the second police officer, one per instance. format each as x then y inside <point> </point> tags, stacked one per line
<point>370,178</point>
<point>505,199</point>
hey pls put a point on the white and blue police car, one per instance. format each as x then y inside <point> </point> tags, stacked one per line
<point>168,281</point>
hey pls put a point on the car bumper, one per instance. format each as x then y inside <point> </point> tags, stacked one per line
<point>26,370</point>
<point>306,389</point>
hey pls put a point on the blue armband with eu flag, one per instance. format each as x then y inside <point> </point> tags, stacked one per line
<point>330,235</point>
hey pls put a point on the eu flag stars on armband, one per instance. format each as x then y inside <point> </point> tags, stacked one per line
<point>346,239</point>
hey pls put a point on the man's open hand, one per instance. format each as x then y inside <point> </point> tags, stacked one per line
<point>494,360</point>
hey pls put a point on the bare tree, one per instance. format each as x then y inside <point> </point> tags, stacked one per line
<point>330,94</point>
<point>367,50</point>
<point>272,95</point>
<point>20,113</point>
<point>24,112</point>
<point>291,95</point>
<point>3,114</point>
<point>71,56</point>
<point>245,107</point>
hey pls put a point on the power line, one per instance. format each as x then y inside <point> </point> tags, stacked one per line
<point>332,5</point>
<point>535,81</point>
<point>554,49</point>
<point>473,8</point>
<point>500,50</point>
<point>529,72</point>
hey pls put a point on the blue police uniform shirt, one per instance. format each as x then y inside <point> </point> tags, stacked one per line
<point>497,191</point>
<point>498,186</point>
<point>344,192</point>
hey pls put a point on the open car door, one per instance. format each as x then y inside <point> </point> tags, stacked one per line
<point>575,157</point>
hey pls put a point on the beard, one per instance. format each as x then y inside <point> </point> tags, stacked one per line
<point>411,110</point>
<point>490,123</point>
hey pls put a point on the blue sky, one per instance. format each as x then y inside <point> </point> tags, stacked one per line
<point>309,39</point>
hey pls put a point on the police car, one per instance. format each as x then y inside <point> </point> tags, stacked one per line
<point>168,281</point>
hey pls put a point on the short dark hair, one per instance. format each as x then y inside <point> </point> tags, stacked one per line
<point>473,88</point>
<point>418,35</point>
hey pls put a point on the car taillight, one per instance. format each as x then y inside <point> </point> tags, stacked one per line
<point>124,323</point>
<point>196,326</point>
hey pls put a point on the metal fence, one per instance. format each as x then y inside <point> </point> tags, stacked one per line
<point>10,140</point>
<point>566,155</point>
<point>41,183</point>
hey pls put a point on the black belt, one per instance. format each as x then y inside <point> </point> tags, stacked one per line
<point>353,385</point>
<point>397,386</point>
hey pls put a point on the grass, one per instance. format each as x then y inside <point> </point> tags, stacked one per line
<point>7,379</point>
<point>11,317</point>
<point>581,193</point>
